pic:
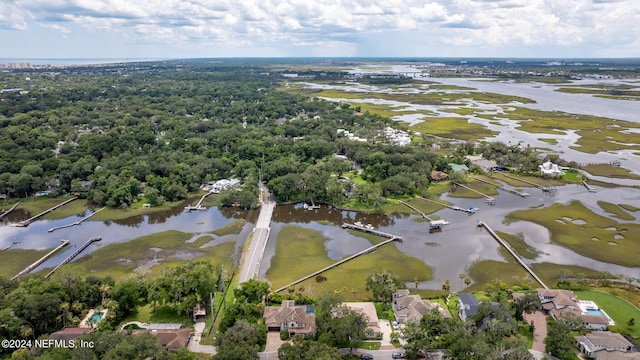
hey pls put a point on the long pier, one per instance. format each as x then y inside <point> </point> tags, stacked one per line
<point>10,210</point>
<point>504,188</point>
<point>589,187</point>
<point>365,251</point>
<point>42,259</point>
<point>416,210</point>
<point>490,200</point>
<point>452,207</point>
<point>25,223</point>
<point>199,206</point>
<point>79,222</point>
<point>506,246</point>
<point>548,189</point>
<point>74,254</point>
<point>370,231</point>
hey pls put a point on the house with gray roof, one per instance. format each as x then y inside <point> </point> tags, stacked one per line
<point>605,345</point>
<point>467,306</point>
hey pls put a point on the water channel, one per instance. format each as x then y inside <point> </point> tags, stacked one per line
<point>449,252</point>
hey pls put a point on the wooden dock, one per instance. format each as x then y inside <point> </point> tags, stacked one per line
<point>313,206</point>
<point>371,231</point>
<point>416,210</point>
<point>506,246</point>
<point>589,187</point>
<point>10,210</point>
<point>504,188</point>
<point>548,189</point>
<point>365,251</point>
<point>79,222</point>
<point>452,207</point>
<point>434,225</point>
<point>489,200</point>
<point>42,259</point>
<point>199,206</point>
<point>74,254</point>
<point>25,223</point>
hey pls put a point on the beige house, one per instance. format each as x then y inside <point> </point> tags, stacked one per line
<point>557,302</point>
<point>296,319</point>
<point>412,308</point>
<point>605,345</point>
<point>368,309</point>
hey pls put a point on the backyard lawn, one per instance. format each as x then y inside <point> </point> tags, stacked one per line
<point>617,308</point>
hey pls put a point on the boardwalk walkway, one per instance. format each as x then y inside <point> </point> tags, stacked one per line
<point>42,259</point>
<point>504,188</point>
<point>506,246</point>
<point>76,222</point>
<point>10,210</point>
<point>541,187</point>
<point>490,200</point>
<point>73,255</point>
<point>452,207</point>
<point>25,223</point>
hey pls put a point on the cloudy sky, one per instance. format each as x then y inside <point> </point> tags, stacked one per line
<point>283,28</point>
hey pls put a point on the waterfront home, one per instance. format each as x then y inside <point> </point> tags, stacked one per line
<point>295,319</point>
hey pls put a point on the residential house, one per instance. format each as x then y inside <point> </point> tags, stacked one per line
<point>467,306</point>
<point>459,167</point>
<point>69,334</point>
<point>438,176</point>
<point>295,319</point>
<point>557,302</point>
<point>550,169</point>
<point>171,339</point>
<point>605,345</point>
<point>221,185</point>
<point>408,308</point>
<point>368,309</point>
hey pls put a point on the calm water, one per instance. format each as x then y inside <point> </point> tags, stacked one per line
<point>461,243</point>
<point>36,235</point>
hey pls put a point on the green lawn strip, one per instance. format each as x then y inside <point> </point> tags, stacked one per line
<point>527,332</point>
<point>384,314</point>
<point>551,273</point>
<point>534,179</point>
<point>617,308</point>
<point>519,245</point>
<point>307,248</point>
<point>484,188</point>
<point>610,171</point>
<point>426,207</point>
<point>581,238</point>
<point>615,210</point>
<point>572,176</point>
<point>36,205</point>
<point>162,315</point>
<point>452,306</point>
<point>120,260</point>
<point>453,128</point>
<point>231,228</point>
<point>13,261</point>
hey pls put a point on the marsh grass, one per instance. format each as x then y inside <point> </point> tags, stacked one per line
<point>453,128</point>
<point>519,245</point>
<point>13,261</point>
<point>301,251</point>
<point>231,228</point>
<point>509,272</point>
<point>484,188</point>
<point>534,179</point>
<point>120,260</point>
<point>577,237</point>
<point>610,171</point>
<point>615,210</point>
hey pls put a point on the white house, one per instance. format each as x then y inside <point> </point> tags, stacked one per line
<point>551,169</point>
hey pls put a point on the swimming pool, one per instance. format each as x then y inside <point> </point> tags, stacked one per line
<point>96,317</point>
<point>596,312</point>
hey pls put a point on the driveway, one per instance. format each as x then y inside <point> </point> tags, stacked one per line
<point>273,342</point>
<point>540,329</point>
<point>385,330</point>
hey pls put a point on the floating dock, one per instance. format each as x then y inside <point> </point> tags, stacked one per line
<point>79,222</point>
<point>365,251</point>
<point>471,210</point>
<point>489,200</point>
<point>10,210</point>
<point>199,206</point>
<point>504,188</point>
<point>506,246</point>
<point>434,225</point>
<point>74,254</point>
<point>42,259</point>
<point>313,206</point>
<point>25,223</point>
<point>548,189</point>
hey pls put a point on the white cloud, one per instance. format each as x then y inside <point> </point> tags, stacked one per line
<point>337,25</point>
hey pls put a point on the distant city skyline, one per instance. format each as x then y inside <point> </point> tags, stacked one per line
<point>170,29</point>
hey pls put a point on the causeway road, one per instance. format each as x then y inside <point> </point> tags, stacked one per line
<point>253,256</point>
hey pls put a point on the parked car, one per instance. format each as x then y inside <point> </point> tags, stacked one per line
<point>366,357</point>
<point>397,355</point>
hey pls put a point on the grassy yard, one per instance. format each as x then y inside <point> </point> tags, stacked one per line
<point>618,309</point>
<point>579,229</point>
<point>307,248</point>
<point>534,179</point>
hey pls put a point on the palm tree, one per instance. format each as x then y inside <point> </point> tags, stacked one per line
<point>446,285</point>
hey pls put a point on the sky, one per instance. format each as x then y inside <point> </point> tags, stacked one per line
<point>172,29</point>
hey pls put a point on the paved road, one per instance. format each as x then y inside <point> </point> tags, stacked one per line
<point>253,257</point>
